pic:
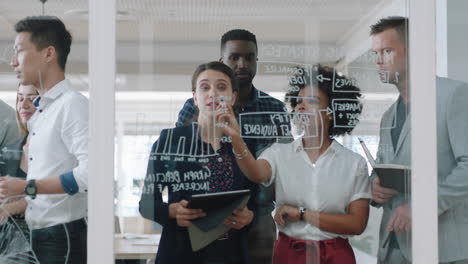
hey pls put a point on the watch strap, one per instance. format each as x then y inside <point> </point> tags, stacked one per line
<point>301,213</point>
<point>30,189</point>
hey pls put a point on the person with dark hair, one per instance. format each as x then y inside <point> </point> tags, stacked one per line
<point>389,43</point>
<point>346,94</point>
<point>322,188</point>
<point>56,185</point>
<point>239,52</point>
<point>48,31</point>
<point>199,148</point>
<point>397,23</point>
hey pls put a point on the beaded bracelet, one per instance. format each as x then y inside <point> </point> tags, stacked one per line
<point>241,155</point>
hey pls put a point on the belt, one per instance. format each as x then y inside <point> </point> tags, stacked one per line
<point>70,226</point>
<point>310,247</point>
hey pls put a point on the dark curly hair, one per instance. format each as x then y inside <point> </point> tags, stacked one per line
<point>343,99</point>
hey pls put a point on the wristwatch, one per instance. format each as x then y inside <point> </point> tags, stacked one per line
<point>30,189</point>
<point>302,212</point>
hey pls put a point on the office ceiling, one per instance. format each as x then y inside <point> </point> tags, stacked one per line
<point>170,37</point>
<point>200,20</point>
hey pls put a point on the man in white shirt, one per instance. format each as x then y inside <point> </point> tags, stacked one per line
<point>56,184</point>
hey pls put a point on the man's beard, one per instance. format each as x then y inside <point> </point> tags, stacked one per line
<point>245,81</point>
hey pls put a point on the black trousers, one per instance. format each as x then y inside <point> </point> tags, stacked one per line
<point>61,244</point>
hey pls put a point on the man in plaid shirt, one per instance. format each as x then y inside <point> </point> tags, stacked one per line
<point>263,121</point>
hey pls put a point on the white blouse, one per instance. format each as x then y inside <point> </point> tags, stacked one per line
<point>338,178</point>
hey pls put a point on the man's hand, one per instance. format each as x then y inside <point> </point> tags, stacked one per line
<point>401,219</point>
<point>381,194</point>
<point>11,186</point>
<point>183,215</point>
<point>239,218</point>
<point>287,213</point>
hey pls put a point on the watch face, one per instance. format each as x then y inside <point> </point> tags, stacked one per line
<point>30,190</point>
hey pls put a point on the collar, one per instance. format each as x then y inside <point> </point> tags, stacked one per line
<point>399,103</point>
<point>297,144</point>
<point>299,147</point>
<point>253,96</point>
<point>53,93</point>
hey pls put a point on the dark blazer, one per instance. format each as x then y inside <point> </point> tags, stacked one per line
<point>452,157</point>
<point>174,155</point>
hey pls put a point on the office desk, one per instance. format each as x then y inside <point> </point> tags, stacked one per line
<point>136,246</point>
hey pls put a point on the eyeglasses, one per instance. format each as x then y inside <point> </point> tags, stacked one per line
<point>311,101</point>
<point>30,98</point>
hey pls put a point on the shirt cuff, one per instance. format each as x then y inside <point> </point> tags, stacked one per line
<point>362,195</point>
<point>69,183</point>
<point>273,171</point>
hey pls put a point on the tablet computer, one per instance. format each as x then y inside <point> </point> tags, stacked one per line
<point>215,201</point>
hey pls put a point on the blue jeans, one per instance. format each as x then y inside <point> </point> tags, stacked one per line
<point>61,244</point>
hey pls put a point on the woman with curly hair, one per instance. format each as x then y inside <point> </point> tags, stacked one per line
<point>322,188</point>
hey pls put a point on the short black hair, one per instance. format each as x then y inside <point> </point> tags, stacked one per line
<point>399,23</point>
<point>238,34</point>
<point>47,31</point>
<point>347,91</point>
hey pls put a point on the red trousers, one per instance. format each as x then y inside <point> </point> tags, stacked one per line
<point>289,250</point>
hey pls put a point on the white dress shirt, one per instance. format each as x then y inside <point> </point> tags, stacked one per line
<point>58,144</point>
<point>338,178</point>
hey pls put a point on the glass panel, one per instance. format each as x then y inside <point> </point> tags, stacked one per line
<point>323,173</point>
<point>452,124</point>
<point>43,156</point>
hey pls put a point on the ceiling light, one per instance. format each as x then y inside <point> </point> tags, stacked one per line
<point>122,15</point>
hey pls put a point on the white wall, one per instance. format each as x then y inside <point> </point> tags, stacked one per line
<point>457,39</point>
